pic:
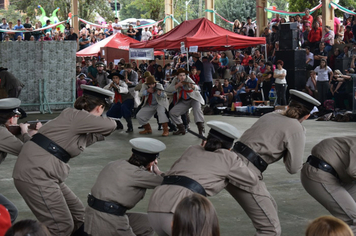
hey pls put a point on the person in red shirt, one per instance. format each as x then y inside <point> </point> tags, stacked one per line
<point>194,75</point>
<point>307,18</point>
<point>314,36</point>
<point>247,58</point>
<point>348,35</point>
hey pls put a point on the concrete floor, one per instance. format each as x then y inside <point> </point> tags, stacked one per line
<point>296,208</point>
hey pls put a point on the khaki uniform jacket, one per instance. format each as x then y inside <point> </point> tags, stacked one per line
<point>193,95</point>
<point>119,182</point>
<point>275,136</point>
<point>210,169</point>
<point>73,130</point>
<point>10,143</point>
<point>161,100</point>
<point>340,153</point>
<point>9,81</point>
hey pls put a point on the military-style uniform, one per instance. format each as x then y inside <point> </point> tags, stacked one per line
<point>39,174</point>
<point>209,169</point>
<point>329,177</point>
<point>10,144</point>
<point>153,103</point>
<point>122,185</point>
<point>273,137</point>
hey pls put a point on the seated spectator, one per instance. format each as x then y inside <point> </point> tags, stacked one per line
<point>47,37</point>
<point>250,87</point>
<point>328,38</point>
<point>247,58</point>
<point>28,228</point>
<point>249,67</point>
<point>249,25</point>
<point>328,226</point>
<point>339,39</point>
<point>338,90</point>
<point>159,74</point>
<point>345,54</point>
<point>217,94</point>
<point>310,86</point>
<point>195,216</point>
<point>224,62</point>
<point>256,67</point>
<point>309,58</point>
<point>84,42</point>
<point>333,57</point>
<point>306,34</point>
<point>262,66</point>
<point>348,36</point>
<point>228,91</point>
<point>257,57</point>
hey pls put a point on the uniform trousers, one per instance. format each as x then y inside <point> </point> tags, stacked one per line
<point>123,109</point>
<point>58,208</point>
<point>261,208</point>
<point>11,208</point>
<point>147,111</point>
<point>339,199</point>
<point>131,224</point>
<point>182,107</point>
<point>161,223</point>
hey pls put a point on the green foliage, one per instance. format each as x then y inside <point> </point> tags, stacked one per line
<point>11,15</point>
<point>87,9</point>
<point>152,9</point>
<point>234,9</point>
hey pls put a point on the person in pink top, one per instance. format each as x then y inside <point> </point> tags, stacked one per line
<point>337,24</point>
<point>307,18</point>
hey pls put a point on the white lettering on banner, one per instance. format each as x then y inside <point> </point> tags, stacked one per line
<point>182,49</point>
<point>141,53</point>
<point>124,47</point>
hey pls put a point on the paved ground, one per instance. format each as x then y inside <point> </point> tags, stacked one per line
<point>296,208</point>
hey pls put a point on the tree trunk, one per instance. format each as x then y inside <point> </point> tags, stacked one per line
<point>199,8</point>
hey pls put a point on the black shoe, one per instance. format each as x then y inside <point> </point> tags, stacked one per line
<point>141,127</point>
<point>129,130</point>
<point>159,127</point>
<point>119,124</point>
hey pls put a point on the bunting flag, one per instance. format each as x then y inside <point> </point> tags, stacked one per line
<point>213,11</point>
<point>291,13</point>
<point>44,28</point>
<point>93,24</point>
<point>170,16</point>
<point>343,9</point>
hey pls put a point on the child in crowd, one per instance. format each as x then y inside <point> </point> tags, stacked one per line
<point>81,79</point>
<point>194,75</point>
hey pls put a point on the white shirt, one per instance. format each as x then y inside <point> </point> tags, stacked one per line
<point>323,74</point>
<point>146,35</point>
<point>310,83</point>
<point>115,30</point>
<point>311,56</point>
<point>279,72</point>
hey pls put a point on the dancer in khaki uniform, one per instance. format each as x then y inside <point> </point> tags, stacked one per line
<point>188,95</point>
<point>155,100</point>
<point>122,184</point>
<point>41,169</point>
<point>10,143</point>
<point>273,137</point>
<point>329,177</point>
<point>202,170</point>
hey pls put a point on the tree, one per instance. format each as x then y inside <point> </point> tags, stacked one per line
<point>234,9</point>
<point>152,9</point>
<point>11,15</point>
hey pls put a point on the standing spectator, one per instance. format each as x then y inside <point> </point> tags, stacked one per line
<point>249,25</point>
<point>83,42</point>
<point>215,60</point>
<point>267,36</point>
<point>3,26</point>
<point>315,35</point>
<point>267,77</point>
<point>235,69</point>
<point>72,36</point>
<point>92,41</point>
<point>19,26</point>
<point>199,67</point>
<point>48,22</point>
<point>67,30</point>
<point>236,26</point>
<point>274,38</point>
<point>224,62</point>
<point>339,38</point>
<point>146,35</point>
<point>320,53</point>
<point>332,58</point>
<point>152,66</point>
<point>37,34</point>
<point>47,37</point>
<point>10,34</point>
<point>28,27</point>
<point>131,32</point>
<point>109,31</point>
<point>102,76</point>
<point>116,26</point>
<point>92,71</point>
<point>228,91</point>
<point>322,83</point>
<point>138,35</point>
<point>306,34</point>
<point>159,74</point>
<point>337,24</point>
<point>208,78</point>
<point>307,18</point>
<point>277,19</point>
<point>194,75</point>
<point>280,83</point>
<point>346,53</point>
<point>143,66</point>
<point>328,38</point>
<point>167,69</point>
<point>258,56</point>
<point>309,58</point>
<point>247,58</point>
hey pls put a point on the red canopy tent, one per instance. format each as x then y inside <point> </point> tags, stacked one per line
<point>113,47</point>
<point>202,33</point>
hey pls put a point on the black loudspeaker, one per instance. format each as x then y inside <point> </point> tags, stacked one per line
<point>288,39</point>
<point>289,26</point>
<point>296,79</point>
<point>293,59</point>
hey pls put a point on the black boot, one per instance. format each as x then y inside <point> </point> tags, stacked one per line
<point>129,125</point>
<point>181,130</point>
<point>201,128</point>
<point>119,124</point>
<point>172,127</point>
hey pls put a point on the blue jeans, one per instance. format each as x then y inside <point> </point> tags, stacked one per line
<point>119,110</point>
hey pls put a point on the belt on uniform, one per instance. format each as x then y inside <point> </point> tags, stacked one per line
<point>51,147</point>
<point>106,207</point>
<point>250,155</point>
<point>322,165</point>
<point>184,181</point>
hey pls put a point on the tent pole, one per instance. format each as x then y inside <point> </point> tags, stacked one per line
<point>265,52</point>
<point>187,59</point>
